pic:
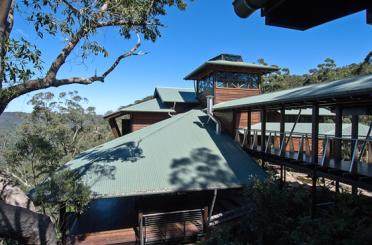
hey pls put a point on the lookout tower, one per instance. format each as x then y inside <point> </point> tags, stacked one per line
<point>227,77</point>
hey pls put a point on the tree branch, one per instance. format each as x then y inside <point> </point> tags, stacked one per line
<point>124,55</point>
<point>72,8</point>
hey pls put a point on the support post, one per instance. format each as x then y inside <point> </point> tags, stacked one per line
<point>354,137</point>
<point>114,127</point>
<point>263,129</point>
<point>315,134</point>
<point>281,175</point>
<point>62,221</point>
<point>354,142</point>
<point>233,123</point>
<point>282,130</point>
<point>205,219</point>
<point>282,123</point>
<point>249,126</point>
<point>338,135</point>
<point>313,194</point>
<point>140,225</point>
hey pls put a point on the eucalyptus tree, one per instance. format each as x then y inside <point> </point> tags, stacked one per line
<point>24,68</point>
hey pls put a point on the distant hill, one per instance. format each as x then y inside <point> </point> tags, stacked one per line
<point>11,120</point>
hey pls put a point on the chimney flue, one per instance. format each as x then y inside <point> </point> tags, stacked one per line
<point>210,105</point>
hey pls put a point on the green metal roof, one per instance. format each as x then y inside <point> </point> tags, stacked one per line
<point>182,153</point>
<point>178,95</point>
<point>360,85</point>
<point>231,64</point>
<point>153,105</point>
<point>309,112</point>
<point>305,128</point>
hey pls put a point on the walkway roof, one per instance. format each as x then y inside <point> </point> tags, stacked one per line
<point>309,112</point>
<point>305,128</point>
<point>178,95</point>
<point>324,94</point>
<point>182,153</point>
<point>216,65</point>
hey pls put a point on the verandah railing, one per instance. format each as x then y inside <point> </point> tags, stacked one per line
<point>344,153</point>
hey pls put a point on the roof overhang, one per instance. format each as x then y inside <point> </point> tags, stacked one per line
<point>305,14</point>
<point>353,92</point>
<point>229,66</point>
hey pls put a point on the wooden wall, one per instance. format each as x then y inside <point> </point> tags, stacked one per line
<point>242,119</point>
<point>226,119</point>
<point>144,119</point>
<point>226,94</point>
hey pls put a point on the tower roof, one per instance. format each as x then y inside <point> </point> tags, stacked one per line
<point>228,62</point>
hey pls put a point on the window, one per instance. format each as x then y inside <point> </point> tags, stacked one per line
<point>237,80</point>
<point>205,86</point>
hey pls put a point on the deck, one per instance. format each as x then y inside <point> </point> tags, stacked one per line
<point>114,237</point>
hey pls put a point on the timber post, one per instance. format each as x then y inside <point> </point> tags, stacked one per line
<point>263,129</point>
<point>114,127</point>
<point>205,219</point>
<point>140,226</point>
<point>233,130</point>
<point>354,145</point>
<point>313,194</point>
<point>62,221</point>
<point>249,127</point>
<point>338,142</point>
<point>314,134</point>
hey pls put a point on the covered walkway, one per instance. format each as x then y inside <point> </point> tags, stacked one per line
<point>343,155</point>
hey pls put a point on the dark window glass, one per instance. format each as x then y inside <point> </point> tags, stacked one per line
<point>237,80</point>
<point>205,86</point>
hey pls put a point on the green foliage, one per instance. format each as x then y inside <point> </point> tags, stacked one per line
<point>324,72</point>
<point>22,62</point>
<point>58,128</point>
<point>61,191</point>
<point>281,216</point>
<point>78,20</point>
<point>62,188</point>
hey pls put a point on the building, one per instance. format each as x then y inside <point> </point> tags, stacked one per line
<point>171,172</point>
<point>178,170</point>
<point>165,103</point>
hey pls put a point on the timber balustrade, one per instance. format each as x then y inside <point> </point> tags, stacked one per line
<point>340,153</point>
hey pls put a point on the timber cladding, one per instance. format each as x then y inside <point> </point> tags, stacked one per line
<point>241,119</point>
<point>226,94</point>
<point>144,119</point>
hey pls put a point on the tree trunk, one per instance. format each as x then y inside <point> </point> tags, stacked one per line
<point>6,24</point>
<point>26,226</point>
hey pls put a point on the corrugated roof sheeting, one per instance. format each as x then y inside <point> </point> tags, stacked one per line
<point>182,153</point>
<point>309,112</point>
<point>359,85</point>
<point>178,95</point>
<point>305,128</point>
<point>233,64</point>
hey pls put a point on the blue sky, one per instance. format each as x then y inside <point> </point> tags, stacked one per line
<point>192,37</point>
